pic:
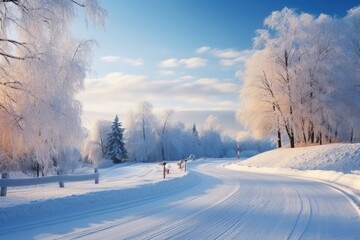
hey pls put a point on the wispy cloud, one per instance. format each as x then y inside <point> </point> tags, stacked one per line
<point>133,62</point>
<point>128,61</point>
<point>110,58</point>
<point>168,63</point>
<point>193,62</point>
<point>226,53</point>
<point>227,57</point>
<point>203,49</point>
<point>166,72</point>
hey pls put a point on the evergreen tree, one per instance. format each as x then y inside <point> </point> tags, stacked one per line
<point>115,146</point>
<point>195,142</point>
<point>195,132</point>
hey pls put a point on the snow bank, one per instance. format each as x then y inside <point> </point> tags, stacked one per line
<point>334,157</point>
<point>337,164</point>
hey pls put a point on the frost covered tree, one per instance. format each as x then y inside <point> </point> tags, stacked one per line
<point>141,134</point>
<point>300,81</point>
<point>42,68</point>
<point>173,141</point>
<point>162,131</point>
<point>68,160</point>
<point>102,131</point>
<point>195,131</point>
<point>211,138</point>
<point>94,146</point>
<point>195,142</point>
<point>115,145</point>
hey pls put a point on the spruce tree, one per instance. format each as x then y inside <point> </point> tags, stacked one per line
<point>194,131</point>
<point>115,145</point>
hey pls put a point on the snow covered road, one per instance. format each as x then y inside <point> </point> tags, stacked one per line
<point>216,203</point>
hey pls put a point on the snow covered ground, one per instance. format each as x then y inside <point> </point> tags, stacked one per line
<point>337,164</point>
<point>215,199</point>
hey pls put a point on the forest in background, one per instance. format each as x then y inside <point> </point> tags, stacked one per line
<point>149,138</point>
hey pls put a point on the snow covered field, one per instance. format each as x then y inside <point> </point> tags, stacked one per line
<point>215,199</point>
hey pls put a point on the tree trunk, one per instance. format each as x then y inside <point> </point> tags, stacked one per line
<point>292,139</point>
<point>311,134</point>
<point>303,129</point>
<point>37,169</point>
<point>279,138</point>
<point>320,138</point>
<point>162,151</point>
<point>290,133</point>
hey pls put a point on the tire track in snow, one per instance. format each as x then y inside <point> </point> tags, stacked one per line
<point>195,179</point>
<point>176,224</point>
<point>302,220</point>
<point>183,223</point>
<point>229,222</point>
<point>244,216</point>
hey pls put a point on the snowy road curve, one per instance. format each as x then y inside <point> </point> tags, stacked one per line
<point>219,204</point>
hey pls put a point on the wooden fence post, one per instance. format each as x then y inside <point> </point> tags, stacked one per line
<point>164,170</point>
<point>61,183</point>
<point>4,189</point>
<point>97,177</point>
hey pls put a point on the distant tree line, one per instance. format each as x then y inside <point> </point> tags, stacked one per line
<point>303,80</point>
<point>151,138</point>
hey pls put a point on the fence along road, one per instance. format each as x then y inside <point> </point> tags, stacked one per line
<point>6,182</point>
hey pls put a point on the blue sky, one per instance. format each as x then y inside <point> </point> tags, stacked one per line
<point>179,54</point>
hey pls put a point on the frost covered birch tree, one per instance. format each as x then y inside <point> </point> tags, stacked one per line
<point>42,68</point>
<point>141,136</point>
<point>162,131</point>
<point>102,130</point>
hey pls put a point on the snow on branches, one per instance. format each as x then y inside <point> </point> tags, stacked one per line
<point>115,146</point>
<point>301,80</point>
<point>42,68</point>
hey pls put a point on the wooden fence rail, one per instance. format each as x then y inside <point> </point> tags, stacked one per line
<point>6,182</point>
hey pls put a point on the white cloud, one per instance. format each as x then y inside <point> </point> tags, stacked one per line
<point>229,57</point>
<point>203,49</point>
<point>227,53</point>
<point>171,62</point>
<point>166,72</point>
<point>193,62</point>
<point>128,61</point>
<point>133,62</point>
<point>122,90</point>
<point>110,58</point>
<point>237,61</point>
